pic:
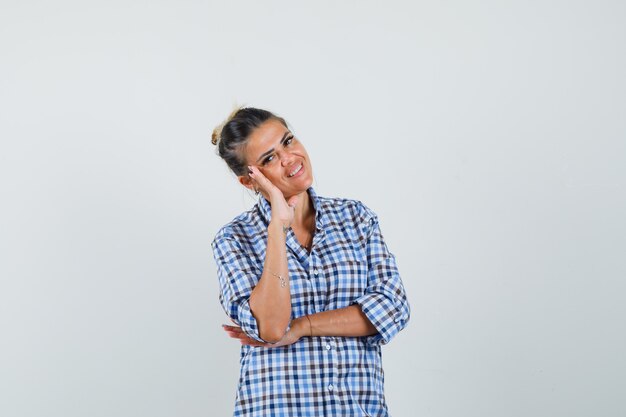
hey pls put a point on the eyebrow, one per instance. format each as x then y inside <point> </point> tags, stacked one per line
<point>282,141</point>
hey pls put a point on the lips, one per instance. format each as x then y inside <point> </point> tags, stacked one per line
<point>295,170</point>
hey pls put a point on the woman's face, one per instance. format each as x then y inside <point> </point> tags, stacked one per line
<point>280,157</point>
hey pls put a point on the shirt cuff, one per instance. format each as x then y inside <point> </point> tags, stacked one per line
<point>248,322</point>
<point>383,314</point>
<point>249,325</point>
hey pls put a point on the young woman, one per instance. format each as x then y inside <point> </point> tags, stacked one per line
<point>308,280</point>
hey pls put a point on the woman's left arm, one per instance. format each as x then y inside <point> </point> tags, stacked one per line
<point>347,322</point>
<point>384,302</point>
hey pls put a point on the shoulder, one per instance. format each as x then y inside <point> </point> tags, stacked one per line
<point>240,229</point>
<point>342,209</point>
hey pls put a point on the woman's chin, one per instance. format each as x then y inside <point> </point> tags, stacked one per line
<point>307,184</point>
<point>296,189</point>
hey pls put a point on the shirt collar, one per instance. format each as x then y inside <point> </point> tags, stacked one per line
<point>265,209</point>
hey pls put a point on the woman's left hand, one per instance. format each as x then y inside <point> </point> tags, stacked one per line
<point>291,337</point>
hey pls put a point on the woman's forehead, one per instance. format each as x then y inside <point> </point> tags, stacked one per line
<point>266,136</point>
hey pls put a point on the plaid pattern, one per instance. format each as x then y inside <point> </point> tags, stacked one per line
<point>349,264</point>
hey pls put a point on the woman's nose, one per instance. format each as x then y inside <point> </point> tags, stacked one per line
<point>286,159</point>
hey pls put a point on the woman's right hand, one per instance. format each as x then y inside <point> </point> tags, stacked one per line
<point>282,210</point>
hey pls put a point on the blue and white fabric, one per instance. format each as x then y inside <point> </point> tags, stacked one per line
<point>349,263</point>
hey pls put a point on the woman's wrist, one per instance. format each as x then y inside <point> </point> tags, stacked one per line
<point>277,226</point>
<point>300,327</point>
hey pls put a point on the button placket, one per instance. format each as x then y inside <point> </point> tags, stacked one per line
<point>330,344</point>
<point>332,381</point>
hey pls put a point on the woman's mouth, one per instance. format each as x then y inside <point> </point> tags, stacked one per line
<point>295,171</point>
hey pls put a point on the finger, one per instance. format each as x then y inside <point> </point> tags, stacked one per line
<point>232,333</point>
<point>256,174</point>
<point>240,336</point>
<point>235,331</point>
<point>237,334</point>
<point>293,201</point>
<point>251,342</point>
<point>260,179</point>
<point>233,328</point>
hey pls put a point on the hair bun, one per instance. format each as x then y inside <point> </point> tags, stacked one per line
<point>215,136</point>
<point>217,132</point>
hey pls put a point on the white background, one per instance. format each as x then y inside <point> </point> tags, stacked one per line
<point>490,138</point>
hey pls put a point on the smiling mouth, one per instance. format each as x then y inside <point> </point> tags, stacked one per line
<point>295,171</point>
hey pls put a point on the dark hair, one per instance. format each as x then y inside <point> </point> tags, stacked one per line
<point>232,135</point>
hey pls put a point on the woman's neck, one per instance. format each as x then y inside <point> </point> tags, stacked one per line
<point>304,216</point>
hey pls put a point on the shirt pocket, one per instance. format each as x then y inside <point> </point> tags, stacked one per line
<point>346,280</point>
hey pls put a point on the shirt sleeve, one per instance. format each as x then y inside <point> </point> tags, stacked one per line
<point>237,278</point>
<point>384,301</point>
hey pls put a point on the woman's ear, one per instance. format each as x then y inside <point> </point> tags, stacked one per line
<point>246,181</point>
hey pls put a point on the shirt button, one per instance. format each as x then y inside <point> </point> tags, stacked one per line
<point>316,271</point>
<point>327,347</point>
<point>330,387</point>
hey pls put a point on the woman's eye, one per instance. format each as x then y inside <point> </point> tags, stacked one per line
<point>268,159</point>
<point>289,140</point>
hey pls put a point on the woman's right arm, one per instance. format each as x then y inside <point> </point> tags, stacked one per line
<point>270,300</point>
<point>252,297</point>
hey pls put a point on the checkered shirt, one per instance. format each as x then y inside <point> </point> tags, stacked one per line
<point>349,264</point>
